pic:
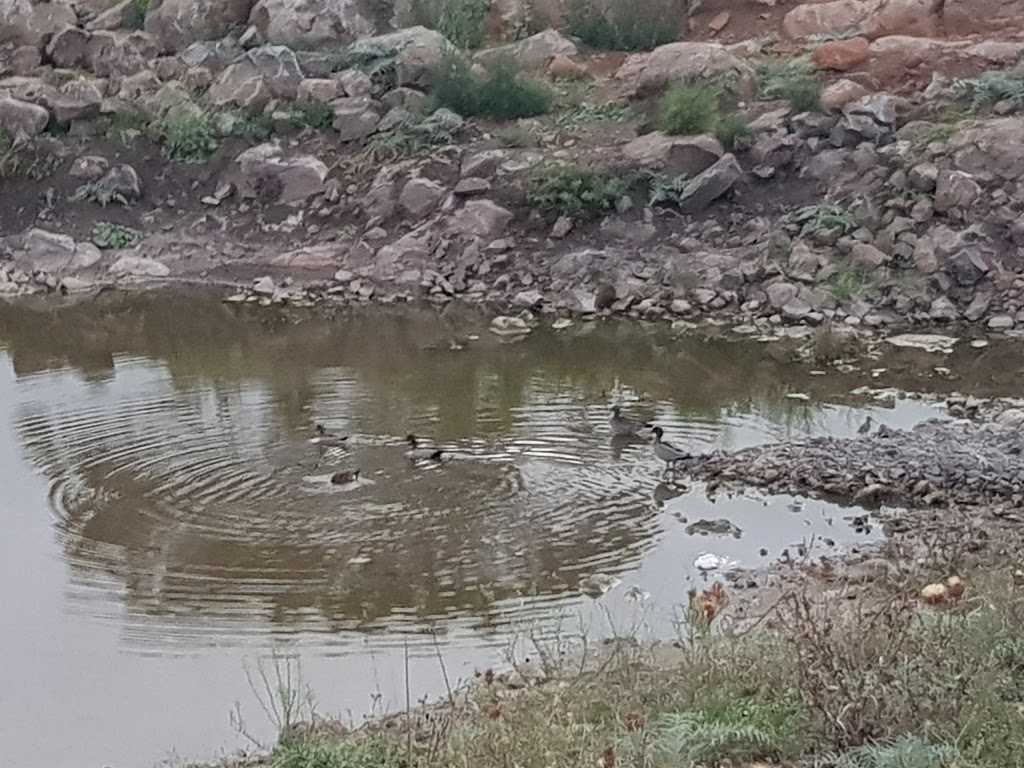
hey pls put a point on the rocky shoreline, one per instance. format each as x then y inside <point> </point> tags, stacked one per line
<point>887,206</point>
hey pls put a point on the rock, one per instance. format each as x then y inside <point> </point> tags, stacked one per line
<point>966,17</point>
<point>796,308</point>
<point>503,325</point>
<point>978,307</point>
<point>49,251</point>
<point>674,155</point>
<point>942,309</point>
<point>416,53</point>
<point>967,268</point>
<point>69,48</point>
<point>533,53</point>
<point>562,67</point>
<point>294,179</point>
<point>704,189</point>
<point>354,119</point>
<point>868,256</point>
<point>873,18</point>
<point>119,54</point>
<point>562,227</point>
<point>89,167</point>
<point>320,90</point>
<point>279,68</point>
<point>528,299</point>
<point>992,148</point>
<point>139,266</point>
<point>647,73</point>
<point>1011,417</point>
<point>481,218</point>
<point>86,255</point>
<point>21,119</point>
<point>282,22</point>
<point>780,294</point>
<point>925,259</point>
<point>176,23</point>
<point>840,93</point>
<point>923,177</point>
<point>421,196</point>
<point>212,54</point>
<point>19,60</point>
<point>482,164</point>
<point>842,55</point>
<point>121,181</point>
<point>472,186</point>
<point>23,22</point>
<point>955,189</point>
<point>1001,323</point>
<point>264,286</point>
<point>240,85</point>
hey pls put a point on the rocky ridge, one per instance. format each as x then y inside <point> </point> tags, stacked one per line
<point>877,210</point>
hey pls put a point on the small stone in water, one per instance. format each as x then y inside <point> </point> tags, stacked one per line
<point>560,323</point>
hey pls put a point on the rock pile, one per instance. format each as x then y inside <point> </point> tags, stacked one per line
<point>938,461</point>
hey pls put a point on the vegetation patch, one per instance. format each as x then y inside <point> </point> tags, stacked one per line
<point>463,22</point>
<point>101,195</point>
<point>107,235</point>
<point>502,93</point>
<point>315,115</point>
<point>823,217</point>
<point>576,190</point>
<point>622,25</point>
<point>362,753</point>
<point>793,80</point>
<point>732,129</point>
<point>610,112</point>
<point>687,110</point>
<point>667,190</point>
<point>408,139</point>
<point>10,161</point>
<point>982,93</point>
<point>188,133</point>
<point>135,15</point>
<point>849,282</point>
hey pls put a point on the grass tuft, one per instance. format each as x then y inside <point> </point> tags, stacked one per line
<point>622,25</point>
<point>462,22</point>
<point>10,161</point>
<point>187,132</point>
<point>982,93</point>
<point>367,753</point>
<point>107,235</point>
<point>793,80</point>
<point>502,93</point>
<point>687,110</point>
<point>731,130</point>
<point>576,190</point>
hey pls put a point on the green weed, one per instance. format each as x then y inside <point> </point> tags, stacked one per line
<point>793,80</point>
<point>904,752</point>
<point>127,124</point>
<point>463,22</point>
<point>502,93</point>
<point>10,160</point>
<point>107,235</point>
<point>375,753</point>
<point>666,189</point>
<point>687,110</point>
<point>188,133</point>
<point>315,115</point>
<point>731,129</point>
<point>135,15</point>
<point>988,89</point>
<point>621,25</point>
<point>576,190</point>
<point>93,192</point>
<point>593,113</point>
<point>823,217</point>
<point>849,282</point>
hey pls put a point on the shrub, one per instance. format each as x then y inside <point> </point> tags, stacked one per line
<point>463,22</point>
<point>188,133</point>
<point>985,91</point>
<point>9,159</point>
<point>578,190</point>
<point>102,195</point>
<point>791,79</point>
<point>621,25</point>
<point>502,93</point>
<point>315,115</point>
<point>666,189</point>
<point>107,235</point>
<point>367,753</point>
<point>688,109</point>
<point>731,129</point>
<point>135,14</point>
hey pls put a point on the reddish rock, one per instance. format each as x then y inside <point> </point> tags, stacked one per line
<point>842,55</point>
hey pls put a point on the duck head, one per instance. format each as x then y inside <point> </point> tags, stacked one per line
<point>658,432</point>
<point>616,410</point>
<point>320,430</point>
<point>411,440</point>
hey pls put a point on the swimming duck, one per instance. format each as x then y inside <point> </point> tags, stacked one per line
<point>345,477</point>
<point>326,439</point>
<point>623,426</point>
<point>666,451</point>
<point>416,451</point>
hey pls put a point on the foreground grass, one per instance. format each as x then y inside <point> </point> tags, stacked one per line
<point>848,680</point>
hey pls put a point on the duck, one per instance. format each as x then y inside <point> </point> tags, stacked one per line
<point>666,451</point>
<point>623,426</point>
<point>326,439</point>
<point>416,451</point>
<point>345,477</point>
<point>866,426</point>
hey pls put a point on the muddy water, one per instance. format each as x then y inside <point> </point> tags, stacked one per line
<point>166,523</point>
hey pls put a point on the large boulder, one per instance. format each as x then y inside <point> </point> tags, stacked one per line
<point>279,68</point>
<point>645,73</point>
<point>532,53</point>
<point>710,185</point>
<point>993,149</point>
<point>415,53</point>
<point>120,54</point>
<point>18,60</point>
<point>24,22</point>
<point>240,85</point>
<point>964,17</point>
<point>22,119</point>
<point>674,155</point>
<point>315,21</point>
<point>905,54</point>
<point>873,18</point>
<point>266,172</point>
<point>176,23</point>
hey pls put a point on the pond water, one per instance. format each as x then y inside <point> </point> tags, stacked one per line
<point>166,526</point>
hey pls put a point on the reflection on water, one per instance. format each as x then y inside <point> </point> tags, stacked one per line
<point>172,436</point>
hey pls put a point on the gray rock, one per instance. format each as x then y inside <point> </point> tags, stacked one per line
<point>674,155</point>
<point>710,185</point>
<point>89,167</point>
<point>421,196</point>
<point>175,24</point>
<point>978,307</point>
<point>121,181</point>
<point>867,255</point>
<point>955,190</point>
<point>472,186</point>
<point>139,266</point>
<point>334,21</point>
<point>481,218</point>
<point>528,299</point>
<point>923,176</point>
<point>531,53</point>
<point>22,119</point>
<point>49,251</point>
<point>279,68</point>
<point>415,52</point>
<point>354,119</point>
<point>482,164</point>
<point>264,286</point>
<point>967,268</point>
<point>780,294</point>
<point>240,85</point>
<point>294,178</point>
<point>942,309</point>
<point>1000,323</point>
<point>69,48</point>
